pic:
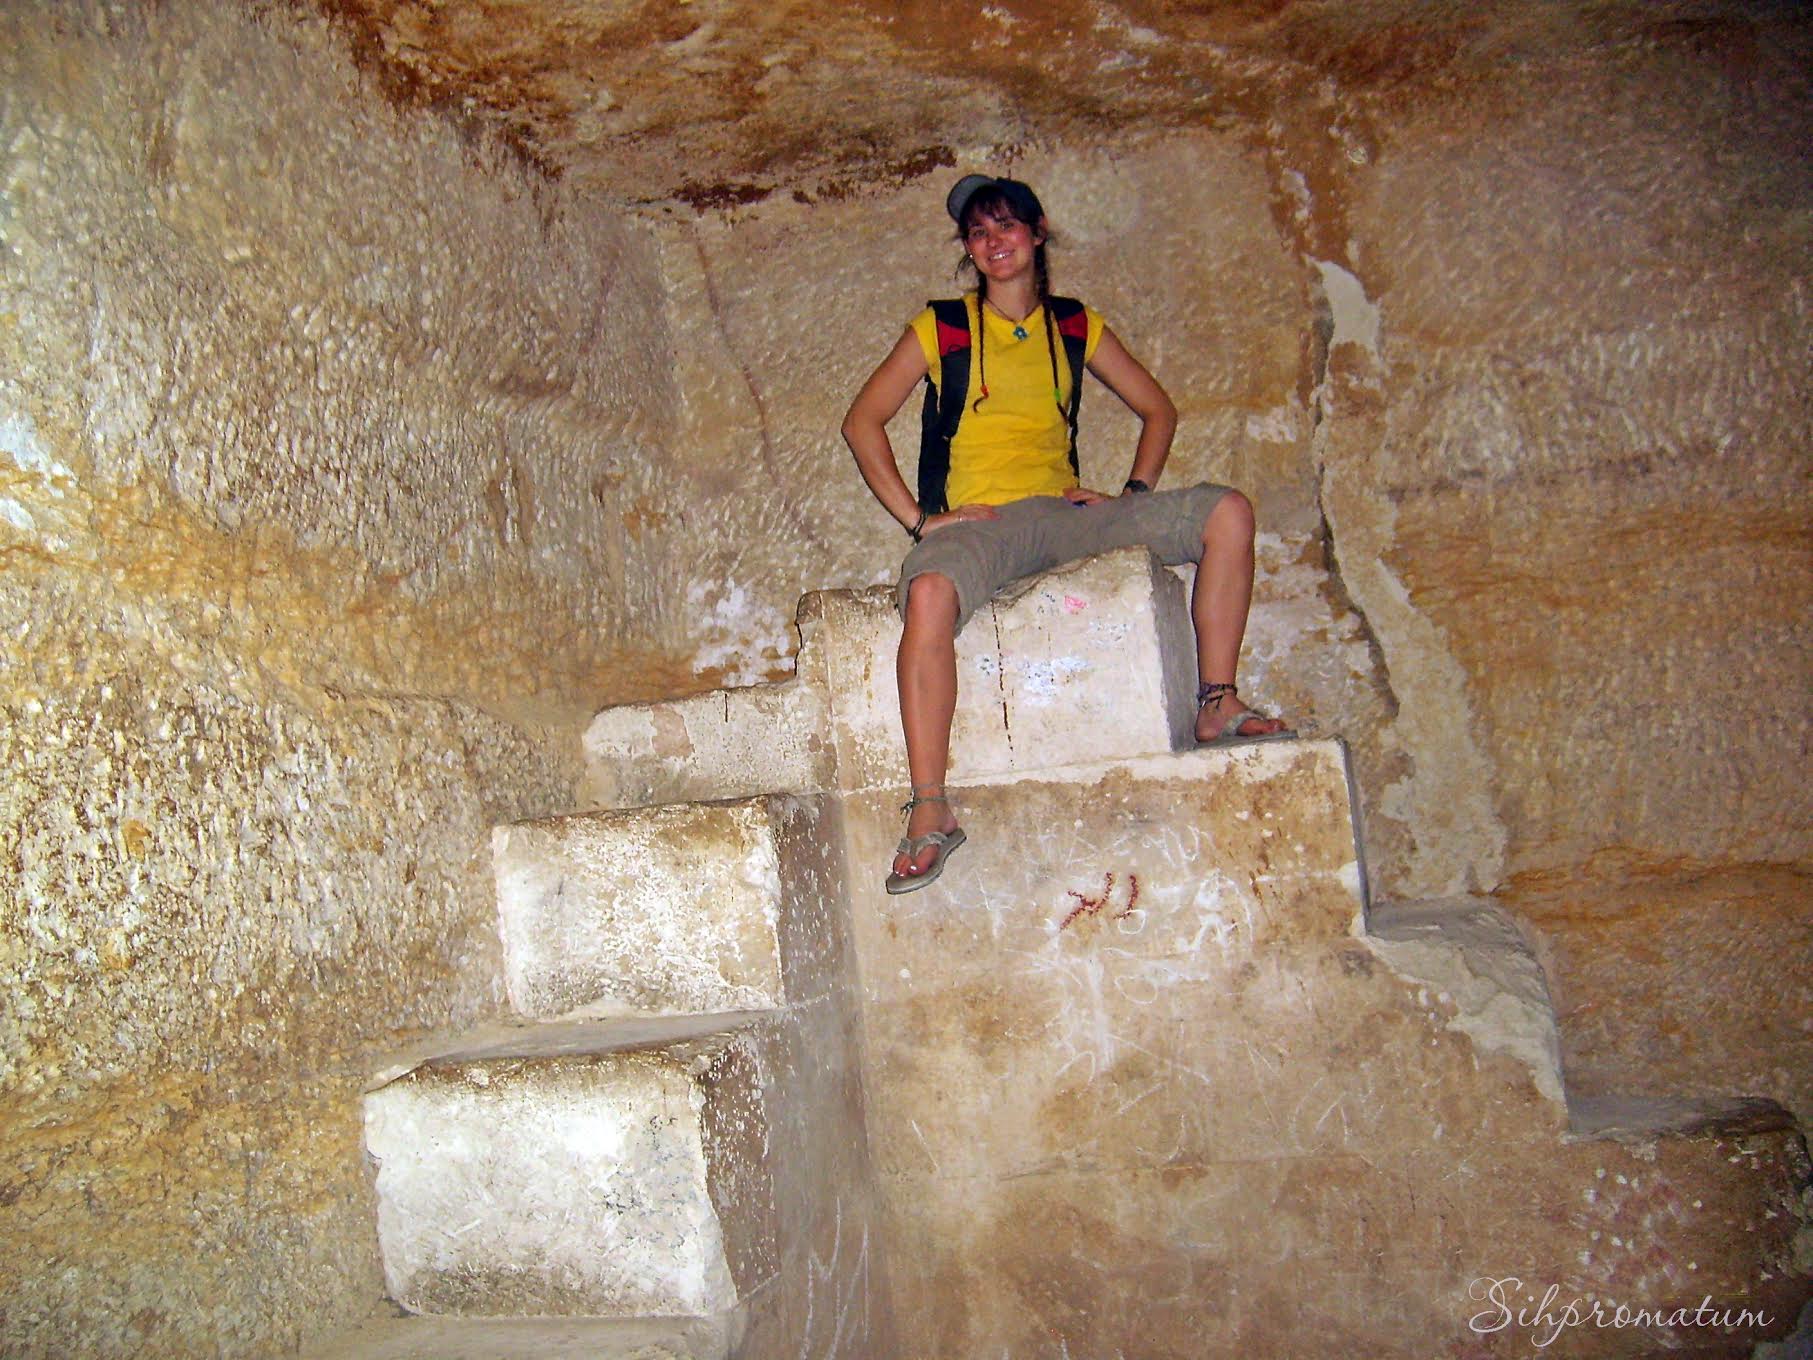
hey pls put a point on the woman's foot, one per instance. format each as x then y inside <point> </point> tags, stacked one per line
<point>1222,717</point>
<point>931,834</point>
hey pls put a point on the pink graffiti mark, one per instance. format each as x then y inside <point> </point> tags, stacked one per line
<point>1075,604</point>
<point>1092,906</point>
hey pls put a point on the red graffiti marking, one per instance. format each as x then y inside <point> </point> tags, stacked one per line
<point>1085,905</point>
<point>1092,906</point>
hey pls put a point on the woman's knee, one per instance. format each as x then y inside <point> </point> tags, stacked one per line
<point>1231,521</point>
<point>931,602</point>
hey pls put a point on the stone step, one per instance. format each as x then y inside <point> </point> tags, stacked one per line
<point>639,1168</point>
<point>1093,661</point>
<point>727,743</point>
<point>1208,853</point>
<point>679,909</point>
<point>1470,953</point>
<point>1087,662</point>
<point>1100,920</point>
<point>671,1124</point>
<point>549,1187</point>
<point>519,1038</point>
<point>1643,1118</point>
<point>416,1338</point>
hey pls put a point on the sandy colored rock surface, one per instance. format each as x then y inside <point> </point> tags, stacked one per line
<point>1571,566</point>
<point>1270,1257</point>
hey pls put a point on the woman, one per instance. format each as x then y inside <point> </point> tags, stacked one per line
<point>1011,475</point>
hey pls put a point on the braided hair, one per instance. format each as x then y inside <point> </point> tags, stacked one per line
<point>1009,199</point>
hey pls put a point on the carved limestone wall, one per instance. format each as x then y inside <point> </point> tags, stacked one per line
<point>324,437</point>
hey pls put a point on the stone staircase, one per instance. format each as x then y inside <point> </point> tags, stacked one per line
<point>1143,1076</point>
<point>662,1156</point>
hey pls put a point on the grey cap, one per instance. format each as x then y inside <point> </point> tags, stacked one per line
<point>962,191</point>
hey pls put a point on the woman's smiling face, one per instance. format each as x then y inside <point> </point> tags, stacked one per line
<point>1000,245</point>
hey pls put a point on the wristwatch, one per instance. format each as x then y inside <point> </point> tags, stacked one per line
<point>1135,485</point>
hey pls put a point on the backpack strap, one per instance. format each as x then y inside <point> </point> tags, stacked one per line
<point>1073,331</point>
<point>943,401</point>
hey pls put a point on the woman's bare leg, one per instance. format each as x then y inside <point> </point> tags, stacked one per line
<point>926,670</point>
<point>1218,606</point>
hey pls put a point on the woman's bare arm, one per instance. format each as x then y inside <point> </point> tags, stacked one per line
<point>865,431</point>
<point>865,426</point>
<point>1128,379</point>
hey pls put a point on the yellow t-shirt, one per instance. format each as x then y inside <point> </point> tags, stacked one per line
<point>1016,443</point>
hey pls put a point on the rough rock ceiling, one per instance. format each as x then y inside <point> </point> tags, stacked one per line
<point>721,102</point>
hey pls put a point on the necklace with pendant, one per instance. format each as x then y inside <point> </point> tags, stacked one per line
<point>1019,327</point>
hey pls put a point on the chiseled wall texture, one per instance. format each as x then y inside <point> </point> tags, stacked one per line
<point>1570,493</point>
<point>323,435</point>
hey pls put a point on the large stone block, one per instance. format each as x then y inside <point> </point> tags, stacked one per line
<point>547,1187</point>
<point>729,743</point>
<point>668,910</point>
<point>1094,661</point>
<point>722,1177</point>
<point>1095,980</point>
<point>1190,864</point>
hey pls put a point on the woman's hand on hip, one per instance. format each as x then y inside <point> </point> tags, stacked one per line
<point>960,515</point>
<point>1082,495</point>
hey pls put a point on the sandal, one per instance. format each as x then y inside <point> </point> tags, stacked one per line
<point>1230,735</point>
<point>912,846</point>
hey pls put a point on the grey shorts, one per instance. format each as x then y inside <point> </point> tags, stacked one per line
<point>1042,532</point>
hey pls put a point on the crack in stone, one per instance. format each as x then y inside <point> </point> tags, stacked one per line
<point>1001,677</point>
